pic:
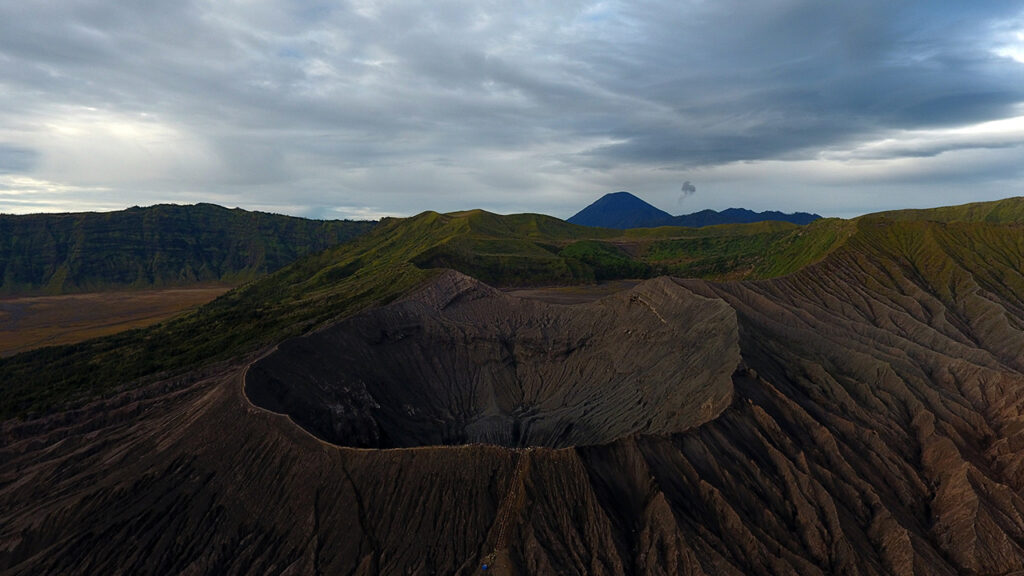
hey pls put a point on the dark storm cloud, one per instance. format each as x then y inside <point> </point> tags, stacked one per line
<point>397,107</point>
<point>763,83</point>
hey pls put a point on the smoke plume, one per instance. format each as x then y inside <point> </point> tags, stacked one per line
<point>687,190</point>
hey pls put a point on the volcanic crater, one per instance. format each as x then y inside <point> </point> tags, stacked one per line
<point>460,362</point>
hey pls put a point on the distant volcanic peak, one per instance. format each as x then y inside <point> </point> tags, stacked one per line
<point>620,210</point>
<point>486,367</point>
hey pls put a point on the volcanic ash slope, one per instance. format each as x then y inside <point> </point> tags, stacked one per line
<point>461,363</point>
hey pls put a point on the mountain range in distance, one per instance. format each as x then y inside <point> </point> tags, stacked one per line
<point>168,245</point>
<point>622,210</point>
<point>161,246</point>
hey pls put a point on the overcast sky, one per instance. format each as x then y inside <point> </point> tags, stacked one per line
<point>367,108</point>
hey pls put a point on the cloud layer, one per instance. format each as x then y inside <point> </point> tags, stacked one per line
<point>368,107</point>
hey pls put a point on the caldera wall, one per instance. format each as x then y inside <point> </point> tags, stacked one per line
<point>459,362</point>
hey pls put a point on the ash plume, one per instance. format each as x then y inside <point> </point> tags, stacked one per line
<point>687,189</point>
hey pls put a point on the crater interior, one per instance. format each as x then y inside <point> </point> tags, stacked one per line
<point>459,362</point>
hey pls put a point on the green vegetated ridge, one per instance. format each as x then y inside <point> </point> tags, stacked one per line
<point>517,250</point>
<point>998,211</point>
<point>949,258</point>
<point>530,249</point>
<point>159,246</point>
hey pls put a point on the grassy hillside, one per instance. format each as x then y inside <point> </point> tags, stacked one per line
<point>158,246</point>
<point>999,211</point>
<point>740,251</point>
<point>525,249</point>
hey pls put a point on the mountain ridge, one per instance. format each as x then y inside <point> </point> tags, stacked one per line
<point>164,245</point>
<point>622,210</point>
<point>1006,209</point>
